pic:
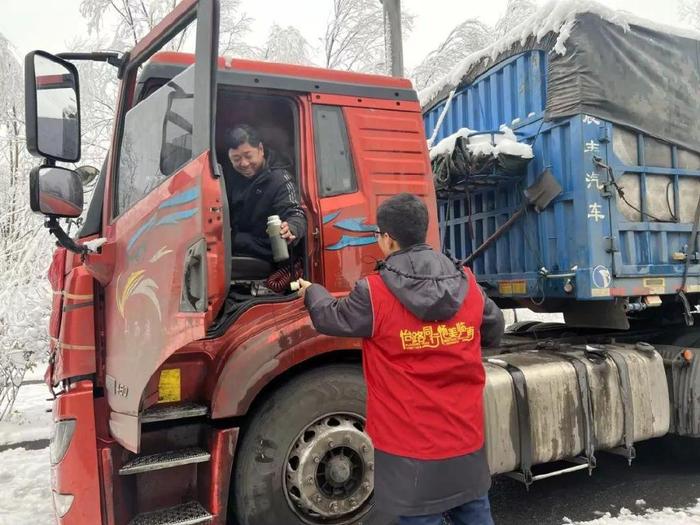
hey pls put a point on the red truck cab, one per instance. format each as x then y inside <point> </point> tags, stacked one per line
<point>183,394</point>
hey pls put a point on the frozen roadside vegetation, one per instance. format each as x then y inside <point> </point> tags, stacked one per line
<point>555,16</point>
<point>28,420</point>
<point>666,516</point>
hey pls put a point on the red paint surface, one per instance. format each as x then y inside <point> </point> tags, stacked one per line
<point>215,476</point>
<point>144,326</point>
<point>77,473</point>
<point>76,345</point>
<point>290,70</point>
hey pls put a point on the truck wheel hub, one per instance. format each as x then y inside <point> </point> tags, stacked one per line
<point>339,469</point>
<point>329,469</point>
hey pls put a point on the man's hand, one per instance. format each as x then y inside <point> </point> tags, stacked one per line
<point>303,285</point>
<point>286,233</point>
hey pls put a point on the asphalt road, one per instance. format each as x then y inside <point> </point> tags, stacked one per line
<point>666,473</point>
<point>661,476</point>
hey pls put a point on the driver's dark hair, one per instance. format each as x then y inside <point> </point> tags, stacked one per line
<point>243,134</point>
<point>405,218</point>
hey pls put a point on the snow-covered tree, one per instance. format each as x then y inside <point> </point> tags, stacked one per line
<point>118,25</point>
<point>133,19</point>
<point>467,37</point>
<point>25,247</point>
<point>689,12</point>
<point>516,12</point>
<point>287,45</point>
<point>354,38</point>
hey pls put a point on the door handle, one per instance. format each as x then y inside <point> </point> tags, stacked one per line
<point>194,280</point>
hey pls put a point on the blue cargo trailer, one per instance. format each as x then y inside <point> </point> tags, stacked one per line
<point>619,135</point>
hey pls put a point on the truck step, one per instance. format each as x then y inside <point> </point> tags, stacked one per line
<point>170,459</point>
<point>185,514</point>
<point>168,412</point>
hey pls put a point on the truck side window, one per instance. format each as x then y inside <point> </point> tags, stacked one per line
<point>157,140</point>
<point>336,174</point>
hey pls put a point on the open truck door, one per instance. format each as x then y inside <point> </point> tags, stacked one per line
<point>163,262</point>
<point>165,218</point>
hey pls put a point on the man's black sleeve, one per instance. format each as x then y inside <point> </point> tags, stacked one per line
<point>285,203</point>
<point>492,324</point>
<point>349,316</point>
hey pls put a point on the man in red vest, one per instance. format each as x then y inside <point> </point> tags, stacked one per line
<point>423,319</point>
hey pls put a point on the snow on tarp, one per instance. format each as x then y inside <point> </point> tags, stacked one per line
<point>554,17</point>
<point>601,62</point>
<point>506,143</point>
<point>447,145</point>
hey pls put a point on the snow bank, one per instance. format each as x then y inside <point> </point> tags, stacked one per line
<point>24,484</point>
<point>556,16</point>
<point>667,516</point>
<point>29,419</point>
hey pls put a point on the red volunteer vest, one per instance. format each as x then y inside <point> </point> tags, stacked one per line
<point>425,380</point>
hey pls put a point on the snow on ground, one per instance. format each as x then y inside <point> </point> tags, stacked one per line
<point>24,485</point>
<point>26,496</point>
<point>667,516</point>
<point>29,419</point>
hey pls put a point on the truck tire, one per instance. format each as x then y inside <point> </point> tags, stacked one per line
<point>304,458</point>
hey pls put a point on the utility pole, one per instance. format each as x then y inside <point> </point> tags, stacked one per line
<point>392,36</point>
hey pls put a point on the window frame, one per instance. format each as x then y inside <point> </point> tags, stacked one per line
<point>345,137</point>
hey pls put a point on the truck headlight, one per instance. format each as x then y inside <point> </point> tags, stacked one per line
<point>62,503</point>
<point>60,439</point>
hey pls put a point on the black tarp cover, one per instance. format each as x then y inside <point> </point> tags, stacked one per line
<point>641,78</point>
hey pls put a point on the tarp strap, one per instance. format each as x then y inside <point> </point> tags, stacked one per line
<point>522,406</point>
<point>627,403</point>
<point>586,404</point>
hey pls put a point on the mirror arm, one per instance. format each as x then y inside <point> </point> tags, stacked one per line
<point>63,239</point>
<point>112,58</point>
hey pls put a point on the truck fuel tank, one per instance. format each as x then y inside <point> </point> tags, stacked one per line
<point>548,405</point>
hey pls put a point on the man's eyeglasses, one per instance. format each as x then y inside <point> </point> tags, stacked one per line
<point>378,233</point>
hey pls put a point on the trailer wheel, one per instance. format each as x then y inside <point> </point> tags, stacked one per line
<point>305,459</point>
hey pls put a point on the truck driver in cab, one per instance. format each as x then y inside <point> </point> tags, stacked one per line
<point>257,188</point>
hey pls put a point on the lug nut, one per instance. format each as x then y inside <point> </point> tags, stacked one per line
<point>364,449</point>
<point>334,507</point>
<point>317,498</point>
<point>309,480</point>
<point>331,444</point>
<point>370,466</point>
<point>353,502</point>
<point>317,459</point>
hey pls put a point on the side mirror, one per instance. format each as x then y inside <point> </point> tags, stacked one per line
<point>56,192</point>
<point>52,107</point>
<point>87,174</point>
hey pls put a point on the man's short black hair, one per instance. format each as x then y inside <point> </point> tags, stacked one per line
<point>243,134</point>
<point>405,218</point>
